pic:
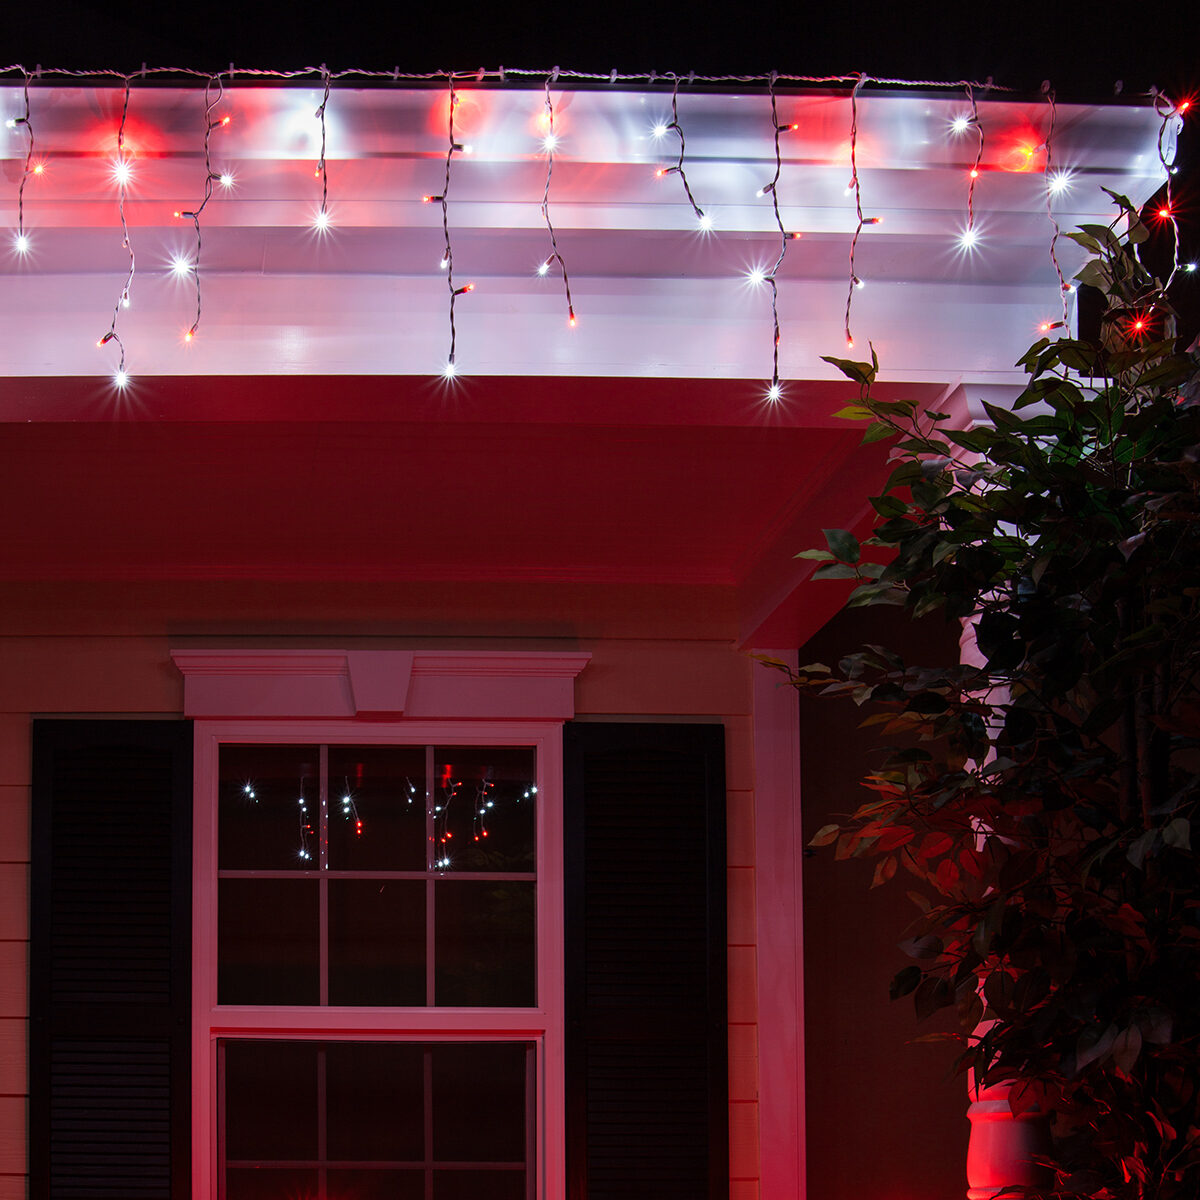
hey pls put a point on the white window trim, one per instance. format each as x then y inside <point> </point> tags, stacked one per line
<point>455,686</point>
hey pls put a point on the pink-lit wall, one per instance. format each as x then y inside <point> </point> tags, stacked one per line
<point>104,649</point>
<point>885,1118</point>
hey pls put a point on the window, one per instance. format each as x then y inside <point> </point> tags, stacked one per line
<point>145,1082</point>
<point>380,904</point>
<point>378,946</point>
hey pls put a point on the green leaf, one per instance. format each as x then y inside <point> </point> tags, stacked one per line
<point>843,545</point>
<point>860,372</point>
<point>825,836</point>
<point>876,432</point>
<point>818,555</point>
<point>855,412</point>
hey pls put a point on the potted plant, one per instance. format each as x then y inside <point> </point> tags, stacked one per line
<point>1042,792</point>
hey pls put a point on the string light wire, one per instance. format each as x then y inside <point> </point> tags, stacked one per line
<point>769,277</point>
<point>122,176</point>
<point>454,147</point>
<point>210,102</point>
<point>24,121</point>
<point>677,169</point>
<point>323,211</point>
<point>1167,111</point>
<point>856,188</point>
<point>551,142</point>
<point>1063,287</point>
<point>973,176</point>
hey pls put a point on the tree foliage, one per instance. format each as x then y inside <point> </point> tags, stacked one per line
<point>1045,800</point>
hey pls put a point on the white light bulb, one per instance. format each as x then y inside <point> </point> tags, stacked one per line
<point>121,171</point>
<point>1189,267</point>
<point>11,123</point>
<point>120,378</point>
<point>445,263</point>
<point>449,372</point>
<point>550,141</point>
<point>960,124</point>
<point>1058,183</point>
<point>21,243</point>
<point>774,392</point>
<point>225,180</point>
<point>180,266</point>
<point>321,220</point>
<point>660,130</point>
<point>858,283</point>
<point>706,222</point>
<point>756,275</point>
<point>544,267</point>
<point>969,238</point>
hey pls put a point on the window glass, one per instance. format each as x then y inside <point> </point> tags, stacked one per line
<point>377,876</point>
<point>336,1119</point>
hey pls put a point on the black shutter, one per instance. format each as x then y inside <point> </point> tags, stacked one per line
<point>110,957</point>
<point>647,1092</point>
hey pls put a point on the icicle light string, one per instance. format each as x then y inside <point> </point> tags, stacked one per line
<point>968,239</point>
<point>497,75</point>
<point>856,188</point>
<point>210,102</point>
<point>1051,179</point>
<point>549,143</point>
<point>21,242</point>
<point>121,173</point>
<point>1167,111</point>
<point>322,220</point>
<point>454,147</point>
<point>677,169</point>
<point>1164,107</point>
<point>774,391</point>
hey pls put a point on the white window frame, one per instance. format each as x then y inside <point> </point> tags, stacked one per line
<point>449,684</point>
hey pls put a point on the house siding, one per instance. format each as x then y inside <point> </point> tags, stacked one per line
<point>112,670</point>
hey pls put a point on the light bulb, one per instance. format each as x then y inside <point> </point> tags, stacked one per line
<point>756,275</point>
<point>225,179</point>
<point>550,142</point>
<point>1058,183</point>
<point>449,371</point>
<point>544,267</point>
<point>969,238</point>
<point>180,266</point>
<point>121,171</point>
<point>21,243</point>
<point>960,124</point>
<point>706,222</point>
<point>321,220</point>
<point>774,392</point>
<point>39,168</point>
<point>120,378</point>
<point>660,130</point>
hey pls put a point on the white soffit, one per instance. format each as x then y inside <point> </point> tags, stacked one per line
<point>655,296</point>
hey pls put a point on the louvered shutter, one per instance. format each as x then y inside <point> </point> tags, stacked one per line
<point>646,1077</point>
<point>110,960</point>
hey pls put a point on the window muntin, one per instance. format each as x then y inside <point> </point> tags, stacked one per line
<point>380,876</point>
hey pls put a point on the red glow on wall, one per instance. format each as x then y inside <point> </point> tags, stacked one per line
<point>1021,149</point>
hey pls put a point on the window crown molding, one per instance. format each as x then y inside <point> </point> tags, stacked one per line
<point>420,684</point>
